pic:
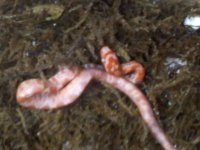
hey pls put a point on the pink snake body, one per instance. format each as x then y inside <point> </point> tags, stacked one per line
<point>68,84</point>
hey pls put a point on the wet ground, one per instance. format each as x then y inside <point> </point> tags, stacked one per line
<point>37,37</point>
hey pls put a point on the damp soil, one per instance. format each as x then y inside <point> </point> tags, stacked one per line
<point>38,37</point>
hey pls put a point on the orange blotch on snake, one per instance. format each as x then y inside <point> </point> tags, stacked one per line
<point>113,66</point>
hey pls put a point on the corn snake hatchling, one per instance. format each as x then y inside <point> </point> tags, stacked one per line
<point>67,85</point>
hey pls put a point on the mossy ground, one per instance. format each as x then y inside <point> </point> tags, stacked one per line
<point>147,31</point>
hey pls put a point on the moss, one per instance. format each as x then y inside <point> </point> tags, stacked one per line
<point>146,31</point>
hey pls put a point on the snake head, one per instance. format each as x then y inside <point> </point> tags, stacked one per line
<point>110,61</point>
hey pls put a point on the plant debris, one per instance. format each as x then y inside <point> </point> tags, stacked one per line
<point>38,37</point>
